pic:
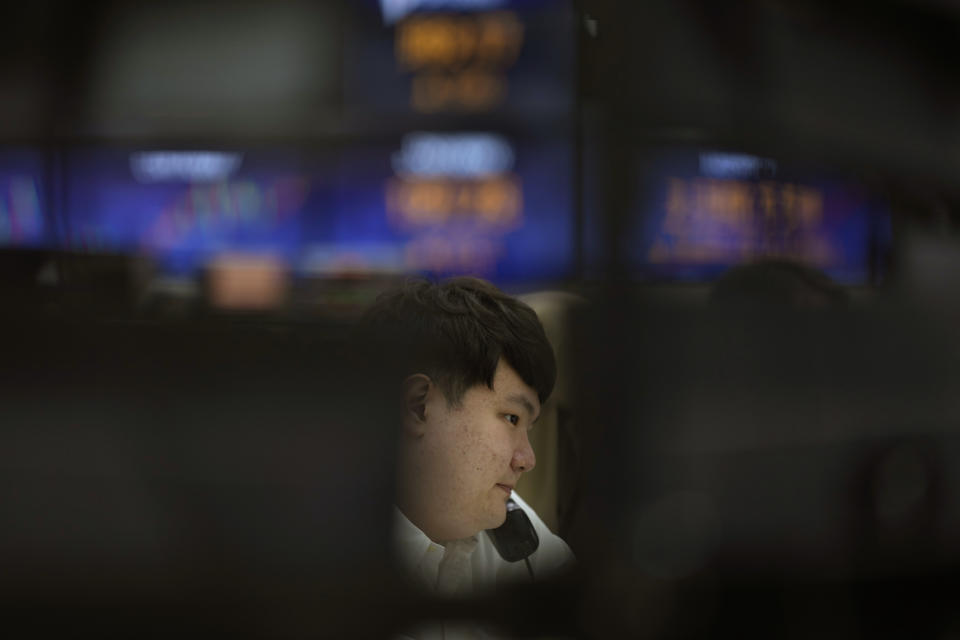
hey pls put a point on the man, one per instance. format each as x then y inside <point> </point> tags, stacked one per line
<point>477,367</point>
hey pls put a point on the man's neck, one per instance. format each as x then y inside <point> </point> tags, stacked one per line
<point>422,522</point>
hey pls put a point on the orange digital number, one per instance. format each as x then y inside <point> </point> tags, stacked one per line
<point>492,202</point>
<point>491,40</point>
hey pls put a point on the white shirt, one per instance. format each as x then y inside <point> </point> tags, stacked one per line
<point>472,565</point>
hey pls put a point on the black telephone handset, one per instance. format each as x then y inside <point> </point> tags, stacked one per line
<point>516,538</point>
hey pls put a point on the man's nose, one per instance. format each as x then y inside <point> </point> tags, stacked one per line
<point>523,457</point>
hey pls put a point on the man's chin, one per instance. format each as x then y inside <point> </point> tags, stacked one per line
<point>499,518</point>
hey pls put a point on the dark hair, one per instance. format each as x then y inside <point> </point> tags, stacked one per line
<point>457,330</point>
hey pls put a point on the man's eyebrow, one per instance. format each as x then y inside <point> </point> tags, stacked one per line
<point>522,400</point>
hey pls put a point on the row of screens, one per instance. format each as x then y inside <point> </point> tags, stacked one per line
<point>436,204</point>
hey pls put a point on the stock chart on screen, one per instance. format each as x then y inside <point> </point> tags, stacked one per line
<point>184,207</point>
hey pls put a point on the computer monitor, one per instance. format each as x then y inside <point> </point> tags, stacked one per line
<point>451,203</point>
<point>702,211</point>
<point>184,207</point>
<point>697,211</point>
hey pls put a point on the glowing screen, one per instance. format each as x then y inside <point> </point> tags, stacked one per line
<point>426,202</point>
<point>703,211</point>
<point>461,56</point>
<point>184,207</point>
<point>453,203</point>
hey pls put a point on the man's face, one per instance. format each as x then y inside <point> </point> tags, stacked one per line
<point>475,452</point>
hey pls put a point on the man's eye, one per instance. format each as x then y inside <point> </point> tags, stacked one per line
<point>513,419</point>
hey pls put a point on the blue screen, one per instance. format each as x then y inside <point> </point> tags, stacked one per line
<point>331,213</point>
<point>702,211</point>
<point>185,207</point>
<point>512,226</point>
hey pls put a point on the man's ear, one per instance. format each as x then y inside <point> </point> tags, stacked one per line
<point>415,390</point>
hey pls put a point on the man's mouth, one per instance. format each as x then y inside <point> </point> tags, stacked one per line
<point>505,487</point>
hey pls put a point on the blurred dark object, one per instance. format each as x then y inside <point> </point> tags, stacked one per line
<point>852,85</point>
<point>36,281</point>
<point>788,472</point>
<point>777,283</point>
<point>763,469</point>
<point>218,474</point>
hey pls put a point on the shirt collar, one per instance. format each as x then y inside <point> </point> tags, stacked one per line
<point>418,555</point>
<point>411,544</point>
